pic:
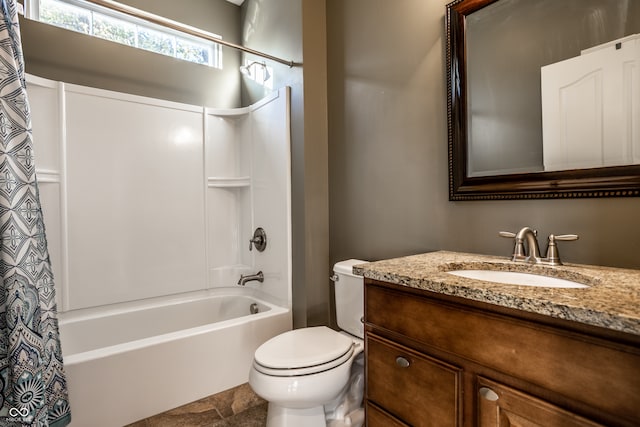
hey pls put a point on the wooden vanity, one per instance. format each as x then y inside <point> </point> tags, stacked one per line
<point>447,351</point>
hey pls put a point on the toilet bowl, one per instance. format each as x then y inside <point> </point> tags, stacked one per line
<point>300,371</point>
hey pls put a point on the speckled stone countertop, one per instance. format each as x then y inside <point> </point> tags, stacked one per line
<point>612,299</point>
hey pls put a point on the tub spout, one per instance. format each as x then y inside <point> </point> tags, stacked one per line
<point>259,277</point>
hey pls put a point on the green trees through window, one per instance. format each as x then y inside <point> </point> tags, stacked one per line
<point>85,18</point>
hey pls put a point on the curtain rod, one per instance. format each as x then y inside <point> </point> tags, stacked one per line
<point>165,22</point>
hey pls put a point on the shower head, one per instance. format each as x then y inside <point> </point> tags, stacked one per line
<point>247,70</point>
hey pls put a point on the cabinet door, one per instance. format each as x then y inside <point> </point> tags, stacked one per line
<point>413,387</point>
<point>502,406</point>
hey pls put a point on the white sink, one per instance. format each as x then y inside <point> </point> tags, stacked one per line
<point>515,278</point>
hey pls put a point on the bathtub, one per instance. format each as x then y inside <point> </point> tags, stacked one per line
<point>134,360</point>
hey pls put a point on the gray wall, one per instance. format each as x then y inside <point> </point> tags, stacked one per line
<point>388,152</point>
<point>58,54</point>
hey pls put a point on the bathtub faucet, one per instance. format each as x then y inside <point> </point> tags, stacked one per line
<point>250,277</point>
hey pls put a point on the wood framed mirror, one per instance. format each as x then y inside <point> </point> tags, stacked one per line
<point>502,143</point>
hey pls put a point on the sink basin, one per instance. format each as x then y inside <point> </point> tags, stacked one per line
<point>516,278</point>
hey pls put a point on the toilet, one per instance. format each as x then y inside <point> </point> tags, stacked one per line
<point>300,371</point>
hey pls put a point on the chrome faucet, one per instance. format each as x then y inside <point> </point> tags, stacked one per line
<point>529,236</point>
<point>259,277</point>
<point>532,254</point>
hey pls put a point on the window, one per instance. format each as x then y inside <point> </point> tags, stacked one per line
<point>87,18</point>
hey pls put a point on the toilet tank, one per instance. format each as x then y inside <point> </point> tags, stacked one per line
<point>349,297</point>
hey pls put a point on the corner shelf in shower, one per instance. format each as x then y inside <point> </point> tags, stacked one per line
<point>228,182</point>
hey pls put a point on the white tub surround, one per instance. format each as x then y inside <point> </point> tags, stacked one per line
<point>145,197</point>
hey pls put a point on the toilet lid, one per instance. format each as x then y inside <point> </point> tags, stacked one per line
<point>303,348</point>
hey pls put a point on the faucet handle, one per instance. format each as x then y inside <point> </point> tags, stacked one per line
<point>553,256</point>
<point>518,248</point>
<point>259,240</point>
<point>566,237</point>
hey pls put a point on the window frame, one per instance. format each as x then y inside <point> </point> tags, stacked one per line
<point>214,50</point>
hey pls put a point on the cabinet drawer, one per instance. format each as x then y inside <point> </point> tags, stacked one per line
<point>420,390</point>
<point>379,418</point>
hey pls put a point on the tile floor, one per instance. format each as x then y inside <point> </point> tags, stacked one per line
<point>237,407</point>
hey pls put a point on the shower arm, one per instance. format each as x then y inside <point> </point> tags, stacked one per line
<point>188,29</point>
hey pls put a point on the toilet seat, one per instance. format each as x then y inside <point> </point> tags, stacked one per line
<point>303,352</point>
<point>297,372</point>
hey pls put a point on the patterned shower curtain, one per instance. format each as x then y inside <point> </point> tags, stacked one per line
<point>34,390</point>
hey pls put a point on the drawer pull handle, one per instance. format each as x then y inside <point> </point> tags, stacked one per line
<point>402,362</point>
<point>488,394</point>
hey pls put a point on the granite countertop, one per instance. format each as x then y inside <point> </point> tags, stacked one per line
<point>612,299</point>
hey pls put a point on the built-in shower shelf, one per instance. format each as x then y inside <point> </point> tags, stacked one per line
<point>226,182</point>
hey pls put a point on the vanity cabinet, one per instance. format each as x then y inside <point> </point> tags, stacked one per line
<point>437,360</point>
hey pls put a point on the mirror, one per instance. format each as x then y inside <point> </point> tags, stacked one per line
<point>502,56</point>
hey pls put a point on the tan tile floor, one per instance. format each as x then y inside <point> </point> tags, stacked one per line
<point>238,406</point>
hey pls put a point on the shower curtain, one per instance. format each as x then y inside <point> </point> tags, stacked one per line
<point>34,390</point>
